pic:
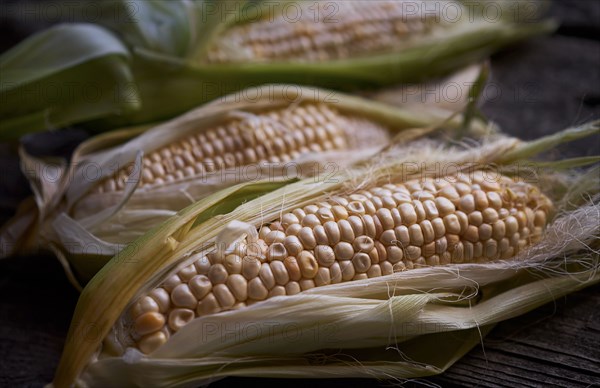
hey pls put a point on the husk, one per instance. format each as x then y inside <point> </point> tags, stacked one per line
<point>86,229</point>
<point>405,325</point>
<point>165,75</point>
<point>459,92</point>
<point>434,93</point>
<point>47,84</point>
<point>408,336</point>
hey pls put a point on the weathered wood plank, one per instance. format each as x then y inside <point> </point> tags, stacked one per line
<point>548,346</point>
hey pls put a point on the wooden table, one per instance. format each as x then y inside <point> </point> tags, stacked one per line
<point>546,84</point>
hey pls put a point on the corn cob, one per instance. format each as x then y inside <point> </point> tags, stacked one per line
<point>257,137</point>
<point>336,44</point>
<point>327,31</point>
<point>370,233</point>
<point>276,136</point>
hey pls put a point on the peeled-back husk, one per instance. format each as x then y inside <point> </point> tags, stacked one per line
<point>409,324</point>
<point>86,229</point>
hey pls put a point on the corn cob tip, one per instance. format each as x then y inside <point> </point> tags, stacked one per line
<point>369,233</point>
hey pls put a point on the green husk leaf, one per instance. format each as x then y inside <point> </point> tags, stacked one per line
<point>566,164</point>
<point>247,193</point>
<point>215,16</point>
<point>534,147</point>
<point>473,97</point>
<point>47,84</point>
<point>161,26</point>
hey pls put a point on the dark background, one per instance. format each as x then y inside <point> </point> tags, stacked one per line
<point>546,84</point>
